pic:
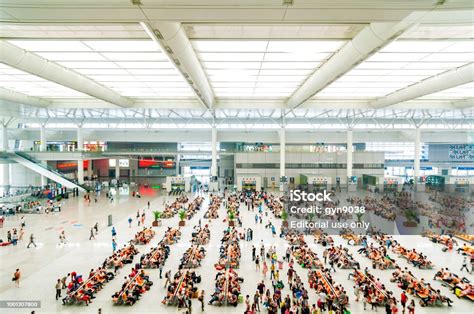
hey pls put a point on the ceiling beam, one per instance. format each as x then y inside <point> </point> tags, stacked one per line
<point>17,97</point>
<point>367,42</point>
<point>226,11</point>
<point>234,103</point>
<point>464,103</point>
<point>175,44</point>
<point>437,83</point>
<point>52,71</point>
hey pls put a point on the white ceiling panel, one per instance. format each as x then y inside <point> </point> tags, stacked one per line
<point>123,65</point>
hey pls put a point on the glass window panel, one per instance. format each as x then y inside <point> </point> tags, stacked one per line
<point>301,56</point>
<point>231,56</point>
<point>145,65</point>
<point>229,45</point>
<point>72,56</point>
<point>122,45</point>
<point>135,56</point>
<point>298,46</point>
<point>50,45</point>
<point>88,65</point>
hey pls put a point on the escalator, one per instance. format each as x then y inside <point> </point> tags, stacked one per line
<point>29,162</point>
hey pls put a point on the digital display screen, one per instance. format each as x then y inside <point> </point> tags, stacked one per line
<point>150,163</point>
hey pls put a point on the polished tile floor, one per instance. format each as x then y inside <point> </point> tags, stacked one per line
<point>43,265</point>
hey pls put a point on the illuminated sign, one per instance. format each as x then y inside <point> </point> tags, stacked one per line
<point>67,165</point>
<point>150,163</point>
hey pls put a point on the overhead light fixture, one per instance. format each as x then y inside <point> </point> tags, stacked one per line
<point>136,2</point>
<point>288,2</point>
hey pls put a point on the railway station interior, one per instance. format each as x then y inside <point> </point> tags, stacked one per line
<point>237,156</point>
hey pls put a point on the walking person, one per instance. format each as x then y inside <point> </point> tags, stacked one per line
<point>21,234</point>
<point>257,263</point>
<point>265,269</point>
<point>114,245</point>
<point>403,301</point>
<point>201,299</point>
<point>253,252</point>
<point>58,289</point>
<point>63,281</point>
<point>161,270</point>
<point>464,263</point>
<point>130,222</point>
<point>16,277</point>
<point>32,241</point>
<point>168,277</point>
<point>62,238</point>
<point>148,204</point>
<point>92,236</point>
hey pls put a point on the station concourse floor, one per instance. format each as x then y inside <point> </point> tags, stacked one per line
<point>43,265</point>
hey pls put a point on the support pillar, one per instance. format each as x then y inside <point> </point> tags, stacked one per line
<point>80,139</point>
<point>43,148</point>
<point>283,179</point>
<point>349,153</point>
<point>90,173</point>
<point>214,152</point>
<point>43,139</point>
<point>117,169</point>
<point>5,180</point>
<point>416,160</point>
<point>214,183</point>
<point>80,171</point>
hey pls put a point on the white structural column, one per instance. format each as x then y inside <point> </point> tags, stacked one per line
<point>80,139</point>
<point>117,169</point>
<point>4,146</point>
<point>80,162</point>
<point>80,171</point>
<point>89,169</point>
<point>6,167</point>
<point>416,162</point>
<point>349,153</point>
<point>43,141</point>
<point>214,152</point>
<point>43,138</point>
<point>282,135</point>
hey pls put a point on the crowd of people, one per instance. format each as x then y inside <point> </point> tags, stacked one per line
<point>227,288</point>
<point>460,286</point>
<point>200,235</point>
<point>79,290</point>
<point>182,288</point>
<point>120,257</point>
<point>331,295</point>
<point>378,255</point>
<point>144,236</point>
<point>215,203</point>
<point>371,290</point>
<point>418,287</point>
<point>171,209</point>
<point>339,256</point>
<point>192,257</point>
<point>137,283</point>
